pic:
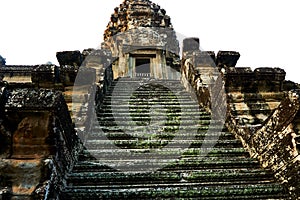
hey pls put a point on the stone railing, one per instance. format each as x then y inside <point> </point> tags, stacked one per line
<point>143,75</point>
<point>193,83</point>
<point>273,142</point>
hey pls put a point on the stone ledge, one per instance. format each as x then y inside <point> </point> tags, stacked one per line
<point>32,99</point>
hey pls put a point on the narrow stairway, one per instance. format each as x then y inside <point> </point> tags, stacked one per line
<point>149,142</point>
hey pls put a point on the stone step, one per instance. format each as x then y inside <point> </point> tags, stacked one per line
<point>97,127</point>
<point>133,129</point>
<point>161,122</point>
<point>141,103</point>
<point>236,97</point>
<point>179,97</point>
<point>124,112</point>
<point>251,111</point>
<point>160,109</point>
<point>252,106</point>
<point>183,190</point>
<point>144,80</point>
<point>156,84</point>
<point>148,95</point>
<point>146,87</point>
<point>163,163</point>
<point>200,135</point>
<point>202,119</point>
<point>122,97</point>
<point>155,143</point>
<point>208,177</point>
<point>135,153</point>
<point>219,152</point>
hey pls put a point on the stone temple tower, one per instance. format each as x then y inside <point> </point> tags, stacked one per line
<point>133,120</point>
<point>142,41</point>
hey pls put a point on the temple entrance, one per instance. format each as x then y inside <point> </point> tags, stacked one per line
<point>142,67</point>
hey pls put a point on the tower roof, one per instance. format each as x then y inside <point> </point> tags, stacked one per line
<point>136,13</point>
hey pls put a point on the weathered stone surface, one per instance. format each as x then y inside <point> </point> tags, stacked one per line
<point>67,75</point>
<point>96,57</point>
<point>24,175</point>
<point>138,26</point>
<point>269,79</point>
<point>5,134</point>
<point>30,137</point>
<point>240,79</point>
<point>3,95</point>
<point>191,44</point>
<point>73,58</point>
<point>227,58</point>
<point>5,140</point>
<point>38,144</point>
<point>260,80</point>
<point>252,98</point>
<point>290,85</point>
<point>19,74</point>
<point>132,14</point>
<point>274,142</point>
<point>32,99</point>
<point>40,127</point>
<point>2,61</point>
<point>43,75</point>
<point>204,58</point>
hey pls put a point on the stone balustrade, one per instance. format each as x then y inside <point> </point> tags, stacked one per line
<point>273,141</point>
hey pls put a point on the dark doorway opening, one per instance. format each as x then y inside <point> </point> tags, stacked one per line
<point>142,67</point>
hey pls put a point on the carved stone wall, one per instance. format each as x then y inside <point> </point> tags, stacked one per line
<point>39,136</point>
<point>274,142</point>
<point>136,13</point>
<point>141,29</point>
<point>16,74</point>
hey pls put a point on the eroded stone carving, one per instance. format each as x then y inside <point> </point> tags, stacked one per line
<point>5,140</point>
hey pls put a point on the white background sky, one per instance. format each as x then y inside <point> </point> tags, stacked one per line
<point>265,32</point>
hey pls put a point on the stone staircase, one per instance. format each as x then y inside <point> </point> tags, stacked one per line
<point>150,140</point>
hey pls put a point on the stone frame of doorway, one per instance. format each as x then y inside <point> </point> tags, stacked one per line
<point>133,61</point>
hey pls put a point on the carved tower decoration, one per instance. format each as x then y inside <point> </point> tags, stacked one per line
<point>142,41</point>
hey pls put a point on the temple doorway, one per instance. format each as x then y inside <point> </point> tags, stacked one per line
<point>142,67</point>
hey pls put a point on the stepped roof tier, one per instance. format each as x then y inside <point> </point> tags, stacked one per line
<point>136,13</point>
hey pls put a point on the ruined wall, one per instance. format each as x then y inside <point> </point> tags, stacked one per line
<point>254,94</point>
<point>259,112</point>
<point>274,142</point>
<point>40,143</point>
<point>16,74</point>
